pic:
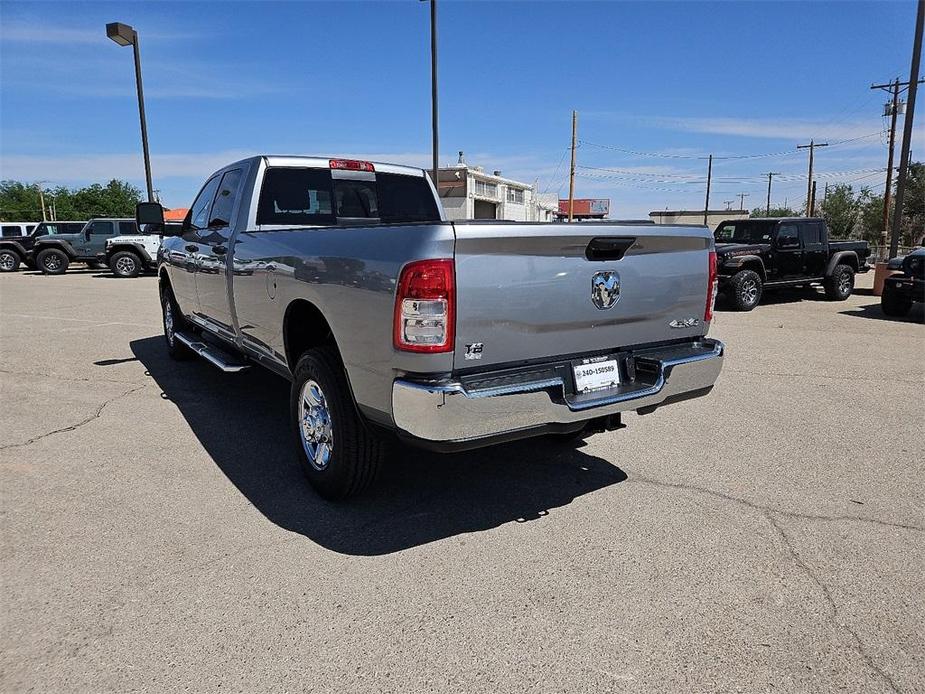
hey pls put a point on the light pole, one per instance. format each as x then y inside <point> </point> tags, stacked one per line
<point>433,89</point>
<point>125,35</point>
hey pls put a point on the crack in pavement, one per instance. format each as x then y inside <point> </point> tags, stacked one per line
<point>769,513</point>
<point>771,509</point>
<point>72,427</point>
<point>830,601</point>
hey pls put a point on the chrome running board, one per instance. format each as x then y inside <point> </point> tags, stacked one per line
<point>215,356</point>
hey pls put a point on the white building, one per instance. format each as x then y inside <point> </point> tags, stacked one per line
<point>467,192</point>
<point>714,217</point>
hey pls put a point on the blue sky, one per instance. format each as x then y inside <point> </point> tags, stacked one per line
<point>679,80</point>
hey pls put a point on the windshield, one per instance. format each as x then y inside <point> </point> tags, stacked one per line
<point>745,231</point>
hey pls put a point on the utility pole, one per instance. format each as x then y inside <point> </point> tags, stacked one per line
<point>907,128</point>
<point>42,201</point>
<point>770,175</point>
<point>433,90</point>
<point>706,204</point>
<point>742,197</point>
<point>571,175</point>
<point>894,111</point>
<point>809,183</point>
<point>728,204</point>
<point>812,201</point>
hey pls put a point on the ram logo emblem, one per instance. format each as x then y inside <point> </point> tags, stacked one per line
<point>605,289</point>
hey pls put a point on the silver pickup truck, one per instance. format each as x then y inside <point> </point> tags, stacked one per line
<point>344,277</point>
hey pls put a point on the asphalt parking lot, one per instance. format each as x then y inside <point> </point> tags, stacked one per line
<point>158,535</point>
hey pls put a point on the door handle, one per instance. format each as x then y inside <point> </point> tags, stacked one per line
<point>191,248</point>
<point>219,250</point>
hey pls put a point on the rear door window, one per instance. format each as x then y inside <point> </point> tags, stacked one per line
<point>812,233</point>
<point>127,228</point>
<point>10,230</point>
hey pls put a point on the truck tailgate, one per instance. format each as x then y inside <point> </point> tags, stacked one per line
<point>524,291</point>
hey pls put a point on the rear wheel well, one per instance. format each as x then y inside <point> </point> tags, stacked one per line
<point>13,249</point>
<point>53,246</point>
<point>754,266</point>
<point>304,328</point>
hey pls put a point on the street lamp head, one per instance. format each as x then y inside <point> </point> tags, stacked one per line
<point>122,34</point>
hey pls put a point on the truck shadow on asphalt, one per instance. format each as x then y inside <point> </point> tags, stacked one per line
<point>916,313</point>
<point>242,422</point>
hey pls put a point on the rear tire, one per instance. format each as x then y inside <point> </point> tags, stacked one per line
<point>339,454</point>
<point>840,284</point>
<point>893,303</point>
<point>745,290</point>
<point>52,261</point>
<point>125,264</point>
<point>174,322</point>
<point>9,261</point>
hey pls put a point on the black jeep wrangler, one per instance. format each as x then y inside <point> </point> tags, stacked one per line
<point>755,255</point>
<point>900,291</point>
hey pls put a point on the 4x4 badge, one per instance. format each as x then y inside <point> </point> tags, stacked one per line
<point>605,289</point>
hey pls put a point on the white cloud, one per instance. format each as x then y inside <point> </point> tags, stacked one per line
<point>771,128</point>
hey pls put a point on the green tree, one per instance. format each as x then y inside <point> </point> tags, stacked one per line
<point>912,225</point>
<point>20,201</point>
<point>841,209</point>
<point>779,211</point>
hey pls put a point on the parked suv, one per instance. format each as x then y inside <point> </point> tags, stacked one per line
<point>132,254</point>
<point>53,254</point>
<point>755,255</point>
<point>16,250</point>
<point>902,290</point>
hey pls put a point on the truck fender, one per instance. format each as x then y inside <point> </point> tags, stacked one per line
<point>135,248</point>
<point>745,262</point>
<point>57,243</point>
<point>849,258</point>
<point>14,246</point>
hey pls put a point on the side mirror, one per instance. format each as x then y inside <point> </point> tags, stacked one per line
<point>149,213</point>
<point>87,233</point>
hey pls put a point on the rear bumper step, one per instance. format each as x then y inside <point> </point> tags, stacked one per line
<point>215,356</point>
<point>449,412</point>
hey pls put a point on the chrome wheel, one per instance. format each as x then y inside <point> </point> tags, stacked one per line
<point>125,265</point>
<point>315,427</point>
<point>7,262</point>
<point>750,291</point>
<point>844,283</point>
<point>168,320</point>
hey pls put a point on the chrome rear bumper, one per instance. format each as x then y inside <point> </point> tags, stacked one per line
<point>451,412</point>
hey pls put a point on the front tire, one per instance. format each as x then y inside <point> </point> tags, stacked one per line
<point>52,261</point>
<point>893,303</point>
<point>840,284</point>
<point>745,290</point>
<point>125,264</point>
<point>9,261</point>
<point>174,322</point>
<point>339,454</point>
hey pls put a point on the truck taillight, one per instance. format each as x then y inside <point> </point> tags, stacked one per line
<point>712,286</point>
<point>425,307</point>
<point>351,165</point>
